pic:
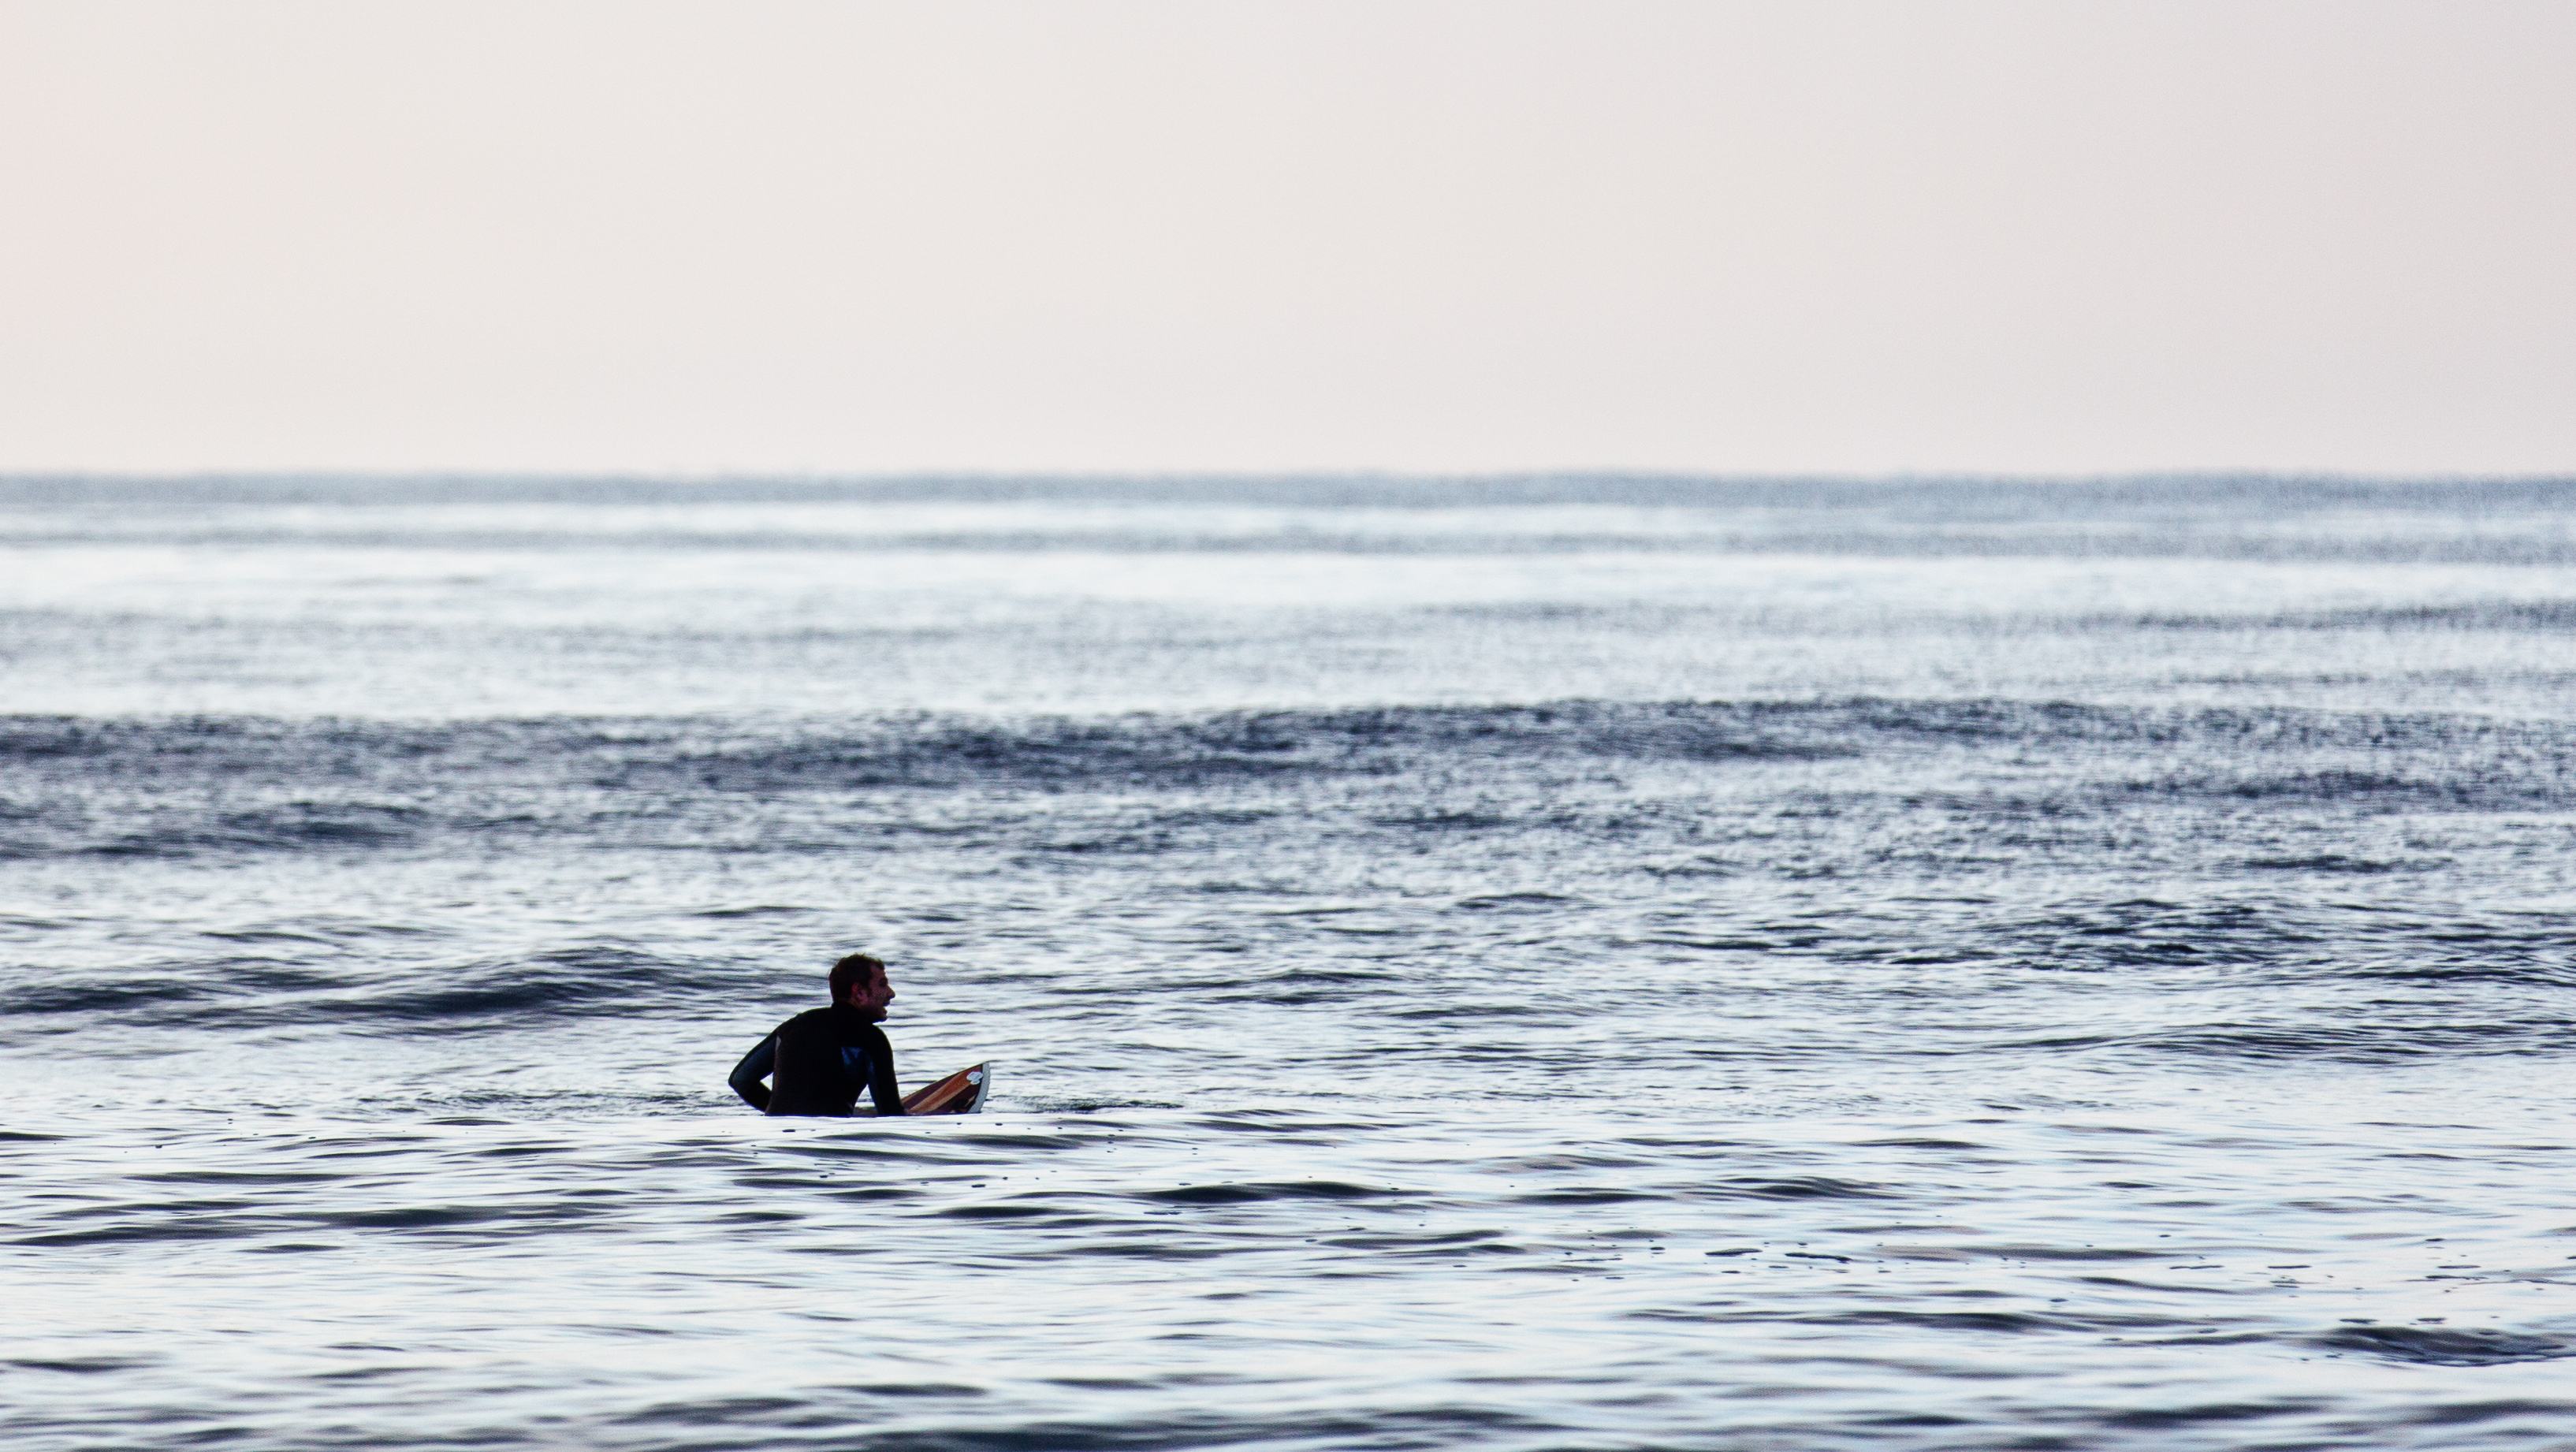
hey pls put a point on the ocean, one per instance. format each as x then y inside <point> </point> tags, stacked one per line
<point>1548,964</point>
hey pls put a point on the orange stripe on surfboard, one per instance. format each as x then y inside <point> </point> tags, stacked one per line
<point>960,1093</point>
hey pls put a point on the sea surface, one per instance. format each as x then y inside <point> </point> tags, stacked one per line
<point>1542,963</point>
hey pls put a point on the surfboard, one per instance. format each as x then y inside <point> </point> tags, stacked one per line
<point>960,1093</point>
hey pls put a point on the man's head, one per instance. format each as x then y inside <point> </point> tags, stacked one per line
<point>860,982</point>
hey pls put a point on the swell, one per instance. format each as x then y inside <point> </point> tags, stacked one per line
<point>932,749</point>
<point>2357,887</point>
<point>235,786</point>
<point>419,993</point>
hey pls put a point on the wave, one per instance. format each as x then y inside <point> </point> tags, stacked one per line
<point>2436,1346</point>
<point>239,786</point>
<point>1874,852</point>
<point>422,994</point>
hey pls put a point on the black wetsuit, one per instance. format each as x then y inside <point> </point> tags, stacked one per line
<point>820,1062</point>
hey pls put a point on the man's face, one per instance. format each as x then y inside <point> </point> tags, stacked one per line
<point>872,996</point>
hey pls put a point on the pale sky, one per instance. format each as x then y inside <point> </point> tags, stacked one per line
<point>1109,235</point>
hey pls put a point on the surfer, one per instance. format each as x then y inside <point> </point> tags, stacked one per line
<point>823,1059</point>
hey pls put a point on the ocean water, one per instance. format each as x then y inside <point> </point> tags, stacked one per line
<point>1547,963</point>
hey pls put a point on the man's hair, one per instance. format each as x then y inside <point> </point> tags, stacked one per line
<point>857,970</point>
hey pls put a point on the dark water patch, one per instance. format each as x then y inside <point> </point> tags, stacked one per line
<point>1919,1142</point>
<point>292,827</point>
<point>206,1228</point>
<point>1437,821</point>
<point>263,935</point>
<point>188,1222</point>
<point>2165,1418</point>
<point>27,738</point>
<point>2398,1041</point>
<point>21,923</point>
<point>1710,945</point>
<point>1460,1242</point>
<point>723,1411</point>
<point>427,997</point>
<point>1174,1431</point>
<point>2514,967</point>
<point>2440,1346</point>
<point>2529,615</point>
<point>1020,1141</point>
<point>82,1365</point>
<point>1599,1160</point>
<point>570,983</point>
<point>2075,1253</point>
<point>239,1177</point>
<point>1587,1195</point>
<point>2007,1323</point>
<point>2463,1414</point>
<point>931,752</point>
<point>303,824</point>
<point>2340,785</point>
<point>1213,818</point>
<point>1518,902</point>
<point>2335,862</point>
<point>867,1149</point>
<point>1048,1213</point>
<point>113,996</point>
<point>1275,1190</point>
<point>1806,1187</point>
<point>1137,844</point>
<point>1150,1245</point>
<point>445,1217</point>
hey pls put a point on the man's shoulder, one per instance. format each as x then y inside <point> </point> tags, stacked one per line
<point>833,1022</point>
<point>806,1022</point>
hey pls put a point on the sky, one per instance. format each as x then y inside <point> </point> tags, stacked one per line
<point>1828,236</point>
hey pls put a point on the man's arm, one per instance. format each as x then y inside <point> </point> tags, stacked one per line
<point>881,1085</point>
<point>755,1066</point>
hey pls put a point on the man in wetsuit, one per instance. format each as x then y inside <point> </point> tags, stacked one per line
<point>822,1060</point>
